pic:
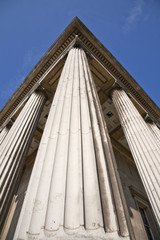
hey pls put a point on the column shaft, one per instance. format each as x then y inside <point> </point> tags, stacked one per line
<point>113,175</point>
<point>155,130</point>
<point>15,146</point>
<point>3,134</point>
<point>70,191</point>
<point>143,146</point>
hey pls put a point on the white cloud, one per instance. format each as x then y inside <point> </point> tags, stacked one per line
<point>134,15</point>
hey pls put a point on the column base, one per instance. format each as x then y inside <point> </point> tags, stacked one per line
<point>80,234</point>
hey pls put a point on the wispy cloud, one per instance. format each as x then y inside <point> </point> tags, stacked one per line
<point>134,15</point>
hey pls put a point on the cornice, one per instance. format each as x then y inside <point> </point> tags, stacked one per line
<point>77,28</point>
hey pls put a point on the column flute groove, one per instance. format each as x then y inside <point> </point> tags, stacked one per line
<point>55,208</point>
<point>133,126</point>
<point>72,215</point>
<point>145,177</point>
<point>71,192</point>
<point>92,206</point>
<point>40,210</point>
<point>13,155</point>
<point>106,194</point>
<point>13,131</point>
<point>143,147</point>
<point>155,130</point>
<point>120,206</point>
<point>3,133</point>
<point>41,166</point>
<point>17,139</point>
<point>10,180</point>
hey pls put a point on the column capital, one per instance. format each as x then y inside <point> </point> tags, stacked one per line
<point>150,120</point>
<point>115,87</point>
<point>10,123</point>
<point>43,91</point>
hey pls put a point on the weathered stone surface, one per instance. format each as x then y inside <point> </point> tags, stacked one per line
<point>73,191</point>
<point>3,134</point>
<point>143,146</point>
<point>14,148</point>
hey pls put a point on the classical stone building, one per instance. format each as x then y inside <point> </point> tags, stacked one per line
<point>80,148</point>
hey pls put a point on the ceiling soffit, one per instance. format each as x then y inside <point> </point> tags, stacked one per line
<point>77,30</point>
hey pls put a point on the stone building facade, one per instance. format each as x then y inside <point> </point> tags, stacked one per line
<point>80,148</point>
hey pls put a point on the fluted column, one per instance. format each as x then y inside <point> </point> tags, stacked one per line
<point>155,130</point>
<point>143,146</point>
<point>71,191</point>
<point>3,134</point>
<point>15,146</point>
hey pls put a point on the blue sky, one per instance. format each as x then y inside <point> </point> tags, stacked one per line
<point>130,29</point>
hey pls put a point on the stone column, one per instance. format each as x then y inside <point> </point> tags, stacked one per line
<point>15,146</point>
<point>143,147</point>
<point>155,130</point>
<point>3,134</point>
<point>73,190</point>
